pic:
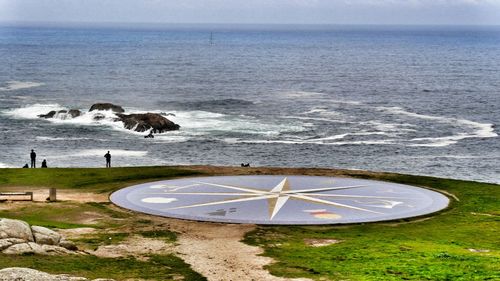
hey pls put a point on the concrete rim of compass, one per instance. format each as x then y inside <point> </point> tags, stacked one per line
<point>276,197</point>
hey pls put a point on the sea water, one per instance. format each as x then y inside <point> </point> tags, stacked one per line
<point>418,100</point>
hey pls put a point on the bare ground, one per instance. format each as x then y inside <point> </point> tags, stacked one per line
<point>215,250</point>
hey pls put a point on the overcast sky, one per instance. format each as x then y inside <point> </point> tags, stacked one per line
<point>461,12</point>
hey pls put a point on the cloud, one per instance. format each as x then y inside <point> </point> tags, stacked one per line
<point>256,11</point>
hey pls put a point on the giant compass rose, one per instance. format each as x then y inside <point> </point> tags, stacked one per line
<point>280,199</point>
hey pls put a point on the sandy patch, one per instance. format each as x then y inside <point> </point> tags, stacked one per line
<point>136,246</point>
<point>73,233</point>
<point>41,194</point>
<point>321,242</point>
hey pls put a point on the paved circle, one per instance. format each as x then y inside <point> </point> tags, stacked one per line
<point>285,200</point>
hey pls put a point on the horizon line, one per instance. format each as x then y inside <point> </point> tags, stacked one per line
<point>240,24</point>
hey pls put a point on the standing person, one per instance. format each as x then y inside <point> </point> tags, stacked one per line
<point>108,159</point>
<point>33,158</point>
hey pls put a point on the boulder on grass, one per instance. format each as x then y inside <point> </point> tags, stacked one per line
<point>45,236</point>
<point>10,228</point>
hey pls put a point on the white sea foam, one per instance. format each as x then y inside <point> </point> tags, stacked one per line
<point>18,85</point>
<point>316,119</point>
<point>2,166</point>
<point>301,94</point>
<point>43,138</point>
<point>475,129</point>
<point>101,152</point>
<point>32,111</point>
<point>203,122</point>
<point>317,141</point>
<point>86,119</point>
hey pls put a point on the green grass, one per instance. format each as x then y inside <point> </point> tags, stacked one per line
<point>65,214</point>
<point>166,235</point>
<point>93,241</point>
<point>158,267</point>
<point>95,179</point>
<point>433,249</point>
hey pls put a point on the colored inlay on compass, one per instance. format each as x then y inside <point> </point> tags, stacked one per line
<point>284,200</point>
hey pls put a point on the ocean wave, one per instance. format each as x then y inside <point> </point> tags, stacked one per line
<point>18,85</point>
<point>101,152</point>
<point>44,138</point>
<point>319,141</point>
<point>479,130</point>
<point>32,111</point>
<point>301,94</point>
<point>210,104</point>
<point>203,122</point>
<point>3,166</point>
<point>193,123</point>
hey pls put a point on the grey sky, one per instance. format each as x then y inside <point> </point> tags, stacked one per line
<point>255,11</point>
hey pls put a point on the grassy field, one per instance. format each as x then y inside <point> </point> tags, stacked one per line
<point>459,243</point>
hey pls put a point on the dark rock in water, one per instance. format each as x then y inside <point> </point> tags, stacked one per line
<point>167,114</point>
<point>107,106</point>
<point>147,121</point>
<point>72,112</point>
<point>48,115</point>
<point>98,117</point>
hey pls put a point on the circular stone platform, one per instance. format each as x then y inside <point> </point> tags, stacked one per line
<point>282,200</point>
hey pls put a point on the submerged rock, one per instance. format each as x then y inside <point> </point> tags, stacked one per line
<point>107,106</point>
<point>98,116</point>
<point>62,114</point>
<point>142,122</point>
<point>48,115</point>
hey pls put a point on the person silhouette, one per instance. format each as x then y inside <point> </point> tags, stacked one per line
<point>44,163</point>
<point>33,158</point>
<point>108,159</point>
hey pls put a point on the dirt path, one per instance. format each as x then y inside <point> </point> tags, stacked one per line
<point>215,250</point>
<point>40,194</point>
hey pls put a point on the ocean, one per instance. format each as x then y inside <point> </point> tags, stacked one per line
<point>415,100</point>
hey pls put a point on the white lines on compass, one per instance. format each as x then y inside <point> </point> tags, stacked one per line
<point>277,197</point>
<point>236,188</point>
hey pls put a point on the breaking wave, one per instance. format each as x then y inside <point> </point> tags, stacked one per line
<point>3,166</point>
<point>360,125</point>
<point>474,129</point>
<point>196,123</point>
<point>101,152</point>
<point>18,85</point>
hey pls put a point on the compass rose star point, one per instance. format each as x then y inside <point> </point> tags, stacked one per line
<point>277,197</point>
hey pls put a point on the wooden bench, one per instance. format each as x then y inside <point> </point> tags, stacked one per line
<point>7,194</point>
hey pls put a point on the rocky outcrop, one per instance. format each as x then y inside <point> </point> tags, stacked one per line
<point>143,122</point>
<point>17,238</point>
<point>140,122</point>
<point>28,274</point>
<point>64,114</point>
<point>15,229</point>
<point>45,236</point>
<point>107,106</point>
<point>48,115</point>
